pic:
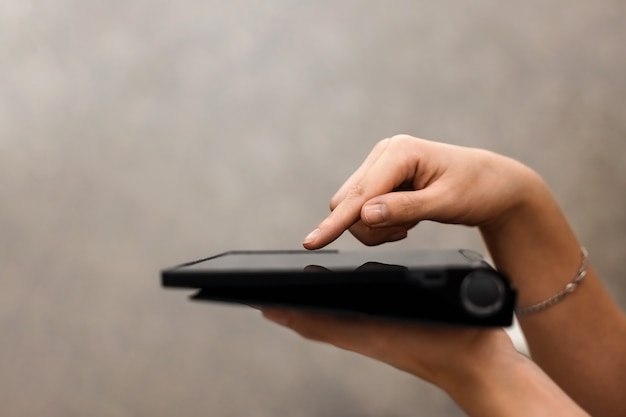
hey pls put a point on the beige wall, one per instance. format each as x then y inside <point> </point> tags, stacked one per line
<point>139,134</point>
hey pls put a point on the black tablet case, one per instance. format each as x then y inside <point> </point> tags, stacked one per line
<point>454,287</point>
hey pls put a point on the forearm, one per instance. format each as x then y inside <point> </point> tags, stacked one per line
<point>575,340</point>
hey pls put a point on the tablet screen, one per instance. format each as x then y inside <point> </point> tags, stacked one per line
<point>277,261</point>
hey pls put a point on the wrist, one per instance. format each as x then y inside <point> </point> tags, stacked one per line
<point>478,360</point>
<point>533,243</point>
<point>528,195</point>
<point>490,370</point>
<point>508,383</point>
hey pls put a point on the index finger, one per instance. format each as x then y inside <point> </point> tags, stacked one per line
<point>356,176</point>
<point>383,176</point>
<point>347,213</point>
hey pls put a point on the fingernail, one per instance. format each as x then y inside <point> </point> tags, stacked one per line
<point>311,236</point>
<point>375,213</point>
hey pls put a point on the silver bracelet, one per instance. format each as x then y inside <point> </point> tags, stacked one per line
<point>569,288</point>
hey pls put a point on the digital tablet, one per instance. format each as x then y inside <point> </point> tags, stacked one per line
<point>455,287</point>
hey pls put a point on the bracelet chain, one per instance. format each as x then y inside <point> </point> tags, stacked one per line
<point>569,288</point>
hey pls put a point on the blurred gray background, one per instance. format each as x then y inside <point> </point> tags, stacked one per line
<point>136,134</point>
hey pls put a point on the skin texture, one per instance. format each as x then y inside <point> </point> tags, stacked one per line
<point>578,346</point>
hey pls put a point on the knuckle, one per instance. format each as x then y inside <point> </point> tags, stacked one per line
<point>407,208</point>
<point>334,202</point>
<point>382,144</point>
<point>355,192</point>
<point>403,139</point>
<point>409,145</point>
<point>370,242</point>
<point>370,237</point>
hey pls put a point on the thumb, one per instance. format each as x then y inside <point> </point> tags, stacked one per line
<point>399,208</point>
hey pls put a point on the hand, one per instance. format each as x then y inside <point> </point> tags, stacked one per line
<point>478,368</point>
<point>444,356</point>
<point>405,180</point>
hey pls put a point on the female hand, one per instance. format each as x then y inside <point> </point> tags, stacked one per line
<point>478,368</point>
<point>405,180</point>
<point>438,354</point>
